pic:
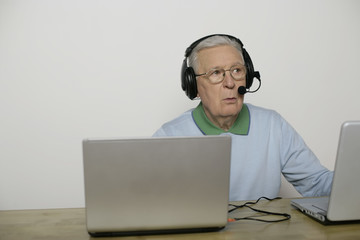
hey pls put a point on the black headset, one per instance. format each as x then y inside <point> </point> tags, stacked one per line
<point>188,76</point>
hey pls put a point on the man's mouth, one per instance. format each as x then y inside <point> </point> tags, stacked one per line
<point>230,99</point>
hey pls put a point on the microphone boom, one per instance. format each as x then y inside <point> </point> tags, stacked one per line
<point>242,90</point>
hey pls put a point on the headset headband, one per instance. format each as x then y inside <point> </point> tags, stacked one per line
<point>194,44</point>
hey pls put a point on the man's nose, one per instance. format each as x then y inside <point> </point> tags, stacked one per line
<point>228,79</point>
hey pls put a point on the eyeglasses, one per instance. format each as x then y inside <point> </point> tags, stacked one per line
<point>237,72</point>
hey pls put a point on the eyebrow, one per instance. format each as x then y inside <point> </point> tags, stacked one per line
<point>218,67</point>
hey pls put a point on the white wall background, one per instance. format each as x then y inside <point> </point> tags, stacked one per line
<point>73,69</point>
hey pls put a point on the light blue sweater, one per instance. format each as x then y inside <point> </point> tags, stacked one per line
<point>271,147</point>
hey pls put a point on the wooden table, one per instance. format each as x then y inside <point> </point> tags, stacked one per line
<point>70,224</point>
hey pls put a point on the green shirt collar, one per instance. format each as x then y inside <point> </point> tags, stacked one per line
<point>240,127</point>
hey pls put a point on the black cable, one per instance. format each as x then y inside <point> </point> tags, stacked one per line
<point>285,215</point>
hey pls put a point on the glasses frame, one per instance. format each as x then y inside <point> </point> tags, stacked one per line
<point>223,71</point>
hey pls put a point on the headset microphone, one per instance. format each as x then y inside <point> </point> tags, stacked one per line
<point>242,89</point>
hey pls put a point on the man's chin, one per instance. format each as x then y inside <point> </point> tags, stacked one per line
<point>229,111</point>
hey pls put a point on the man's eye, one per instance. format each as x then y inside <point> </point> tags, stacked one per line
<point>237,70</point>
<point>215,73</point>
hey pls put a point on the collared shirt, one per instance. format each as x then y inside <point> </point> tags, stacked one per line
<point>240,126</point>
<point>264,146</point>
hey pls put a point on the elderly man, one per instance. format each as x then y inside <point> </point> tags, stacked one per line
<point>218,70</point>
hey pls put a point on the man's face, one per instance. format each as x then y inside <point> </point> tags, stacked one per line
<point>221,101</point>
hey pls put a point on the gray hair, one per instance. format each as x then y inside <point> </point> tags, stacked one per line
<point>212,42</point>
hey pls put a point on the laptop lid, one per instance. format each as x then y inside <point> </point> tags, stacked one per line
<point>345,194</point>
<point>154,185</point>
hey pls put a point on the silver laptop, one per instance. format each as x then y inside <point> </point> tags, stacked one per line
<point>343,203</point>
<point>156,185</point>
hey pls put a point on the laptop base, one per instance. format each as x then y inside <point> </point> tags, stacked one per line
<point>326,221</point>
<point>305,206</point>
<point>155,232</point>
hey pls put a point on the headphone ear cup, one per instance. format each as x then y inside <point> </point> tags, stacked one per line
<point>188,80</point>
<point>249,69</point>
